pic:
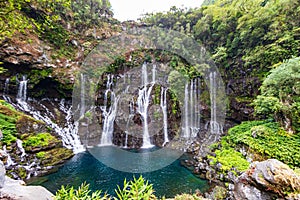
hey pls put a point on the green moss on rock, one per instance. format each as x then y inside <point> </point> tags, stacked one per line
<point>41,154</point>
<point>41,140</point>
<point>56,156</point>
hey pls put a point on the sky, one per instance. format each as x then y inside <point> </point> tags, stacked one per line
<point>132,9</point>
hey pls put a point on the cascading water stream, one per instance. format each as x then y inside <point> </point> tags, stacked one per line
<point>20,147</point>
<point>38,110</point>
<point>153,73</point>
<point>109,112</point>
<point>214,125</point>
<point>22,91</point>
<point>163,105</point>
<point>9,161</point>
<point>70,132</point>
<point>143,103</point>
<point>191,118</point>
<point>6,90</point>
<point>82,94</point>
<point>131,115</point>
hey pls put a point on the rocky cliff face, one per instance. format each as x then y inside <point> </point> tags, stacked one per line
<point>33,58</point>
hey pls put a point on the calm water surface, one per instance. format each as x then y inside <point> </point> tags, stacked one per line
<point>83,167</point>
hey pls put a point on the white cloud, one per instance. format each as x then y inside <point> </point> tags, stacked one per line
<point>133,9</point>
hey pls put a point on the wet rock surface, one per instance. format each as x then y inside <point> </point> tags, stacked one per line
<point>16,189</point>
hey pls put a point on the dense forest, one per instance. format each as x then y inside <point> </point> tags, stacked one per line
<point>255,45</point>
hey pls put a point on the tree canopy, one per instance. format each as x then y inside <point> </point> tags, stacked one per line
<point>243,36</point>
<point>280,95</point>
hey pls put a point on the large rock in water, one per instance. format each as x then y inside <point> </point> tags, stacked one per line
<point>266,180</point>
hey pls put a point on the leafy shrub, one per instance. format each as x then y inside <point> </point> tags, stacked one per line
<point>230,158</point>
<point>137,189</point>
<point>280,96</point>
<point>82,193</point>
<point>268,139</point>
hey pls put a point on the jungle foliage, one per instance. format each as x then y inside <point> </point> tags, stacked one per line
<point>280,95</point>
<point>244,37</point>
<point>51,20</point>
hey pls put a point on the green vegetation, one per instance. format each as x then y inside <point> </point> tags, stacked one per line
<point>82,193</point>
<point>41,154</point>
<point>229,158</point>
<point>8,128</point>
<point>267,140</point>
<point>138,189</point>
<point>280,95</point>
<point>187,197</point>
<point>39,140</point>
<point>243,36</point>
<point>20,16</point>
<point>55,156</point>
<point>56,22</point>
<point>8,119</point>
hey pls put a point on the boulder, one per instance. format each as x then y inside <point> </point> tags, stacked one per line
<point>14,189</point>
<point>2,174</point>
<point>266,180</point>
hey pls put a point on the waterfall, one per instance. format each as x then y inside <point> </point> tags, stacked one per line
<point>43,111</point>
<point>109,112</point>
<point>131,115</point>
<point>153,73</point>
<point>143,103</point>
<point>22,91</point>
<point>191,118</point>
<point>214,125</point>
<point>69,133</point>
<point>186,133</point>
<point>9,161</point>
<point>20,147</point>
<point>82,94</point>
<point>6,90</point>
<point>163,105</point>
<point>144,74</point>
<point>6,86</point>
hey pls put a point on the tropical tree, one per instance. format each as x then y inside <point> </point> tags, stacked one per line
<point>280,95</point>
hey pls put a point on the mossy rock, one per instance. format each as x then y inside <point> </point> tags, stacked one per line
<point>188,197</point>
<point>22,172</point>
<point>56,156</point>
<point>14,123</point>
<point>40,141</point>
<point>27,124</point>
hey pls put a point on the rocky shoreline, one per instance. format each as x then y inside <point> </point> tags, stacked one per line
<point>265,180</point>
<point>11,189</point>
